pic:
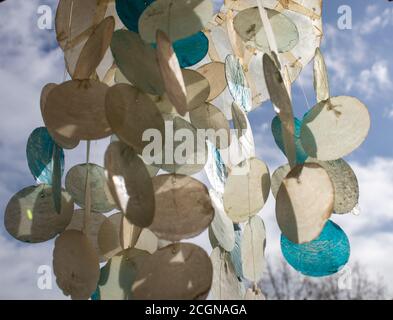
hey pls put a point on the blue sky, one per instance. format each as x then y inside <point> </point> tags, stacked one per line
<point>359,63</point>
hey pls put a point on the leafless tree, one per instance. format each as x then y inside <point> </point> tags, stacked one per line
<point>283,283</point>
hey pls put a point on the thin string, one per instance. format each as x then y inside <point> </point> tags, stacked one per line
<point>304,94</point>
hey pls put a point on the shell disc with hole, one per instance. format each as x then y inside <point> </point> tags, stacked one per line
<point>39,152</point>
<point>305,202</point>
<point>211,119</point>
<point>115,234</point>
<point>118,276</point>
<point>94,50</point>
<point>324,256</point>
<point>130,184</point>
<point>226,285</point>
<point>131,113</point>
<point>137,61</point>
<point>248,25</point>
<point>253,249</point>
<point>170,71</point>
<point>346,186</point>
<point>214,72</point>
<point>183,200</point>
<point>183,269</point>
<point>130,11</point>
<point>75,20</point>
<point>75,183</point>
<point>179,19</point>
<point>246,190</point>
<point>76,110</point>
<point>30,215</point>
<point>237,83</point>
<point>94,224</point>
<point>75,265</point>
<point>221,225</point>
<point>334,128</point>
<point>64,142</point>
<point>186,152</point>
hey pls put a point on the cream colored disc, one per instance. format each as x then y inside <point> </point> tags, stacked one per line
<point>214,72</point>
<point>304,203</point>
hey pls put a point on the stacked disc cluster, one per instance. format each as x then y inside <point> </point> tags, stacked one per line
<point>143,70</point>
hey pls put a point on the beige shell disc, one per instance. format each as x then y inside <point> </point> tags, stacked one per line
<point>75,265</point>
<point>346,186</point>
<point>75,183</point>
<point>170,71</point>
<point>94,224</point>
<point>334,128</point>
<point>277,178</point>
<point>137,62</point>
<point>75,20</point>
<point>178,271</point>
<point>226,285</point>
<point>214,72</point>
<point>63,142</point>
<point>30,215</point>
<point>76,110</point>
<point>253,249</point>
<point>186,152</point>
<point>179,19</point>
<point>130,184</point>
<point>249,26</point>
<point>304,203</point>
<point>130,113</point>
<point>183,207</point>
<point>118,275</point>
<point>221,226</point>
<point>321,78</point>
<point>246,190</point>
<point>94,50</point>
<point>210,118</point>
<point>115,234</point>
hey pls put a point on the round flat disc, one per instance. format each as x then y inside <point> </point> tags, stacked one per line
<point>321,257</point>
<point>334,128</point>
<point>130,11</point>
<point>248,25</point>
<point>183,200</point>
<point>304,202</point>
<point>253,249</point>
<point>130,184</point>
<point>179,19</point>
<point>76,110</point>
<point>221,225</point>
<point>215,168</point>
<point>137,61</point>
<point>75,183</point>
<point>170,71</point>
<point>183,269</point>
<point>94,50</point>
<point>214,72</point>
<point>39,152</point>
<point>30,215</point>
<point>246,190</point>
<point>191,50</point>
<point>75,265</point>
<point>94,224</point>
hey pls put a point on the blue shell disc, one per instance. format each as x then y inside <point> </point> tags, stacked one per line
<point>129,12</point>
<point>321,257</point>
<point>191,50</point>
<point>215,168</point>
<point>40,156</point>
<point>301,155</point>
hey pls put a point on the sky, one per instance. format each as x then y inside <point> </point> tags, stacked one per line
<point>359,65</point>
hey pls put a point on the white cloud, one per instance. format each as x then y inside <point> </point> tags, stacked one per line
<point>375,80</point>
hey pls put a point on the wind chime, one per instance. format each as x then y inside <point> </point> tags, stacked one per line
<point>137,65</point>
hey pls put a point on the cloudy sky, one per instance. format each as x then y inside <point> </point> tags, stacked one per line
<point>359,64</point>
